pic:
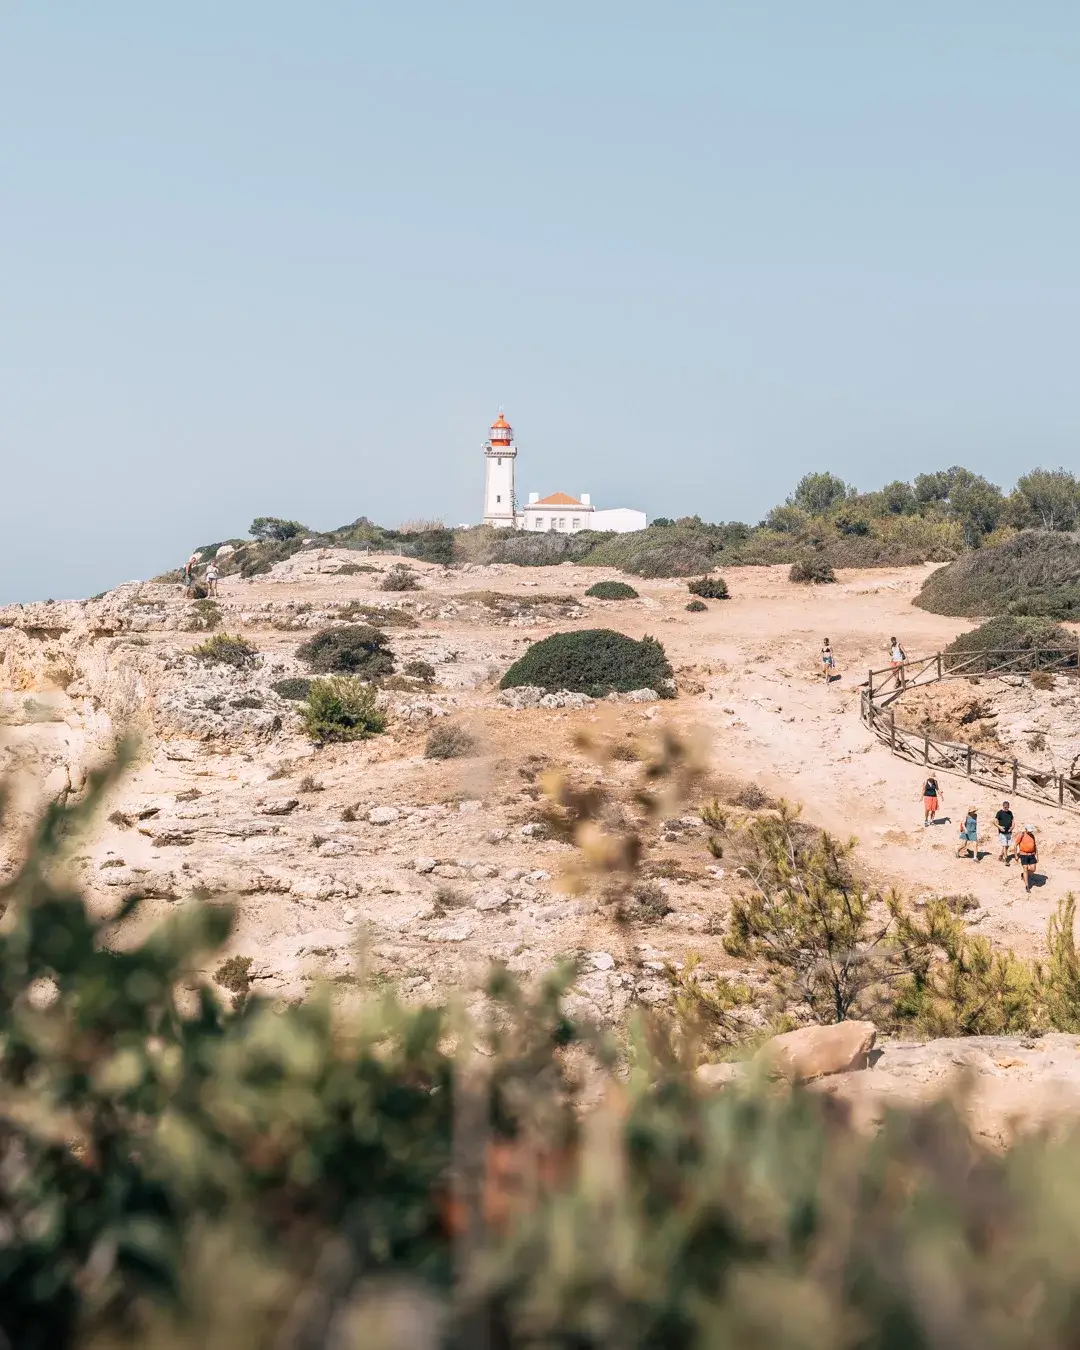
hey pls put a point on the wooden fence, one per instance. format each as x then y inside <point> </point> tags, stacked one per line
<point>1001,772</point>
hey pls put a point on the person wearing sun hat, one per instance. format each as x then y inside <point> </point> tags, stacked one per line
<point>969,835</point>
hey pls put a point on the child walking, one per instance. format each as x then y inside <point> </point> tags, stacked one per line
<point>969,835</point>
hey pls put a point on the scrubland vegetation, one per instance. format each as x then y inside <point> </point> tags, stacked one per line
<point>937,517</point>
<point>1032,573</point>
<point>187,1164</point>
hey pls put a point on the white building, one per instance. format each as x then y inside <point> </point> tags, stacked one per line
<point>559,511</point>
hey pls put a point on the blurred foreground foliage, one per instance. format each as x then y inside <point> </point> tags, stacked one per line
<point>178,1174</point>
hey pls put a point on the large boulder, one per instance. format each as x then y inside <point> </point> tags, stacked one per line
<point>813,1052</point>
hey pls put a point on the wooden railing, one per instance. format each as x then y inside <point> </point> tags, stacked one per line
<point>883,687</point>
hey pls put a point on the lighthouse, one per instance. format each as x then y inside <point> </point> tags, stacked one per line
<point>499,455</point>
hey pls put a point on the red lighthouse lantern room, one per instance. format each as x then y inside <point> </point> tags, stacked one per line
<point>501,431</point>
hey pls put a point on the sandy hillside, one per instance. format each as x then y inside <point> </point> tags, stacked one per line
<point>439,866</point>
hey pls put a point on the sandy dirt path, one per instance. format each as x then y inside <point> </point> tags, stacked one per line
<point>772,718</point>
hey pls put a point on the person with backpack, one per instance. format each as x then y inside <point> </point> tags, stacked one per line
<point>932,798</point>
<point>1004,821</point>
<point>1027,851</point>
<point>969,835</point>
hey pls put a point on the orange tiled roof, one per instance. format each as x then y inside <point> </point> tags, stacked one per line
<point>560,499</point>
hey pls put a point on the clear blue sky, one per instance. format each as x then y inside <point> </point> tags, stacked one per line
<point>290,258</point>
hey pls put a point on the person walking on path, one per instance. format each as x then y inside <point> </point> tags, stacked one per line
<point>211,579</point>
<point>1027,850</point>
<point>189,570</point>
<point>931,799</point>
<point>828,661</point>
<point>1004,819</point>
<point>897,657</point>
<point>969,835</point>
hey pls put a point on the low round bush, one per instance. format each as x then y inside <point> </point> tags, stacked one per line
<point>225,650</point>
<point>697,606</point>
<point>420,670</point>
<point>711,588</point>
<point>612,590</point>
<point>811,568</point>
<point>448,741</point>
<point>342,708</point>
<point>595,661</point>
<point>355,649</point>
<point>293,687</point>
<point>400,578</point>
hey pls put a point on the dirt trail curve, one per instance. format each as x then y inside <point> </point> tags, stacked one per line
<point>772,718</point>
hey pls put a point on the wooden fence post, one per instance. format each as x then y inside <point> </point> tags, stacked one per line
<point>892,732</point>
<point>870,683</point>
<point>939,665</point>
<point>1061,789</point>
<point>1015,768</point>
<point>926,748</point>
<point>969,761</point>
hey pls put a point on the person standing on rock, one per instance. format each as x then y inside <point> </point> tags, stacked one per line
<point>828,661</point>
<point>969,835</point>
<point>932,798</point>
<point>211,579</point>
<point>1027,850</point>
<point>189,570</point>
<point>1004,819</point>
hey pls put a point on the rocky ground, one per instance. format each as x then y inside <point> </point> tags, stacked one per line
<point>370,860</point>
<point>1007,715</point>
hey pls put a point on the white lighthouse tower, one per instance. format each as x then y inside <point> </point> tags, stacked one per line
<point>499,455</point>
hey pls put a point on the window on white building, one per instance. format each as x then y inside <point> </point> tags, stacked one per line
<point>498,499</point>
<point>562,522</point>
<point>575,524</point>
<point>539,522</point>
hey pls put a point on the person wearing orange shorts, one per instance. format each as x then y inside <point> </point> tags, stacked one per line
<point>931,800</point>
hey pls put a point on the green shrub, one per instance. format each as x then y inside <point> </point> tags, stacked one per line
<point>668,551</point>
<point>356,649</point>
<point>273,529</point>
<point>224,649</point>
<point>1011,633</point>
<point>449,742</point>
<point>697,606</point>
<point>260,558</point>
<point>400,578</point>
<point>434,545</point>
<point>709,588</point>
<point>812,568</point>
<point>204,614</point>
<point>234,974</point>
<point>342,708</point>
<point>420,670</point>
<point>294,688</point>
<point>594,661</point>
<point>1032,573</point>
<point>612,590</point>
